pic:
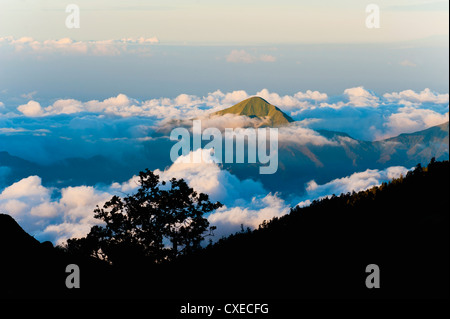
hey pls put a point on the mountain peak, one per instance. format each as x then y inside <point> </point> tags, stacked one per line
<point>257,107</point>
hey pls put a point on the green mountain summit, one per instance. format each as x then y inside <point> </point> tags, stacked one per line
<point>257,107</point>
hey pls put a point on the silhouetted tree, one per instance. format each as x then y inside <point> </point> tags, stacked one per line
<point>143,224</point>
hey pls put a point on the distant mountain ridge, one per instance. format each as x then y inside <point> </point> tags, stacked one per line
<point>425,144</point>
<point>257,107</point>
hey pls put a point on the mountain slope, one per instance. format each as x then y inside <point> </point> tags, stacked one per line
<point>10,230</point>
<point>323,250</point>
<point>418,146</point>
<point>257,107</point>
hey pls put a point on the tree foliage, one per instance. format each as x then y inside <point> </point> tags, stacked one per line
<point>159,222</point>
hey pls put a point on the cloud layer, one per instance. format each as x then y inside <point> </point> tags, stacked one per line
<point>58,214</point>
<point>70,46</point>
<point>358,112</point>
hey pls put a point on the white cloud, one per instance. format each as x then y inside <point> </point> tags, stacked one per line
<point>182,106</point>
<point>70,46</point>
<point>293,103</point>
<point>246,202</point>
<point>29,95</point>
<point>358,96</point>
<point>235,97</point>
<point>31,109</point>
<point>425,96</point>
<point>409,119</point>
<point>230,121</point>
<point>242,56</point>
<point>21,197</point>
<point>311,95</point>
<point>300,135</point>
<point>68,106</point>
<point>207,177</point>
<point>358,112</point>
<point>27,187</point>
<point>356,182</point>
<point>19,130</point>
<point>252,214</point>
<point>29,202</point>
<point>267,58</point>
<point>407,63</point>
<point>275,99</point>
<point>239,56</point>
<point>70,214</point>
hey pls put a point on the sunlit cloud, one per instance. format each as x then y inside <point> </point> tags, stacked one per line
<point>70,46</point>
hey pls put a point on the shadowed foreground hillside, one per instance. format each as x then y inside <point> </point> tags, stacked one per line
<point>323,250</point>
<point>320,251</point>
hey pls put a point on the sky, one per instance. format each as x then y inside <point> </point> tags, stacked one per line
<point>227,22</point>
<point>131,66</point>
<point>153,49</point>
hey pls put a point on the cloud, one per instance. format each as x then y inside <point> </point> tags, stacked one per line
<point>267,58</point>
<point>52,217</point>
<point>354,97</point>
<point>207,177</point>
<point>242,56</point>
<point>233,121</point>
<point>260,208</point>
<point>409,119</point>
<point>297,134</point>
<point>410,97</point>
<point>311,95</point>
<point>356,182</point>
<point>358,96</point>
<point>218,97</point>
<point>31,109</point>
<point>293,103</point>
<point>358,112</point>
<point>57,214</point>
<point>407,63</point>
<point>246,201</point>
<point>29,187</point>
<point>26,196</point>
<point>29,95</point>
<point>70,46</point>
<point>19,130</point>
<point>239,56</point>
